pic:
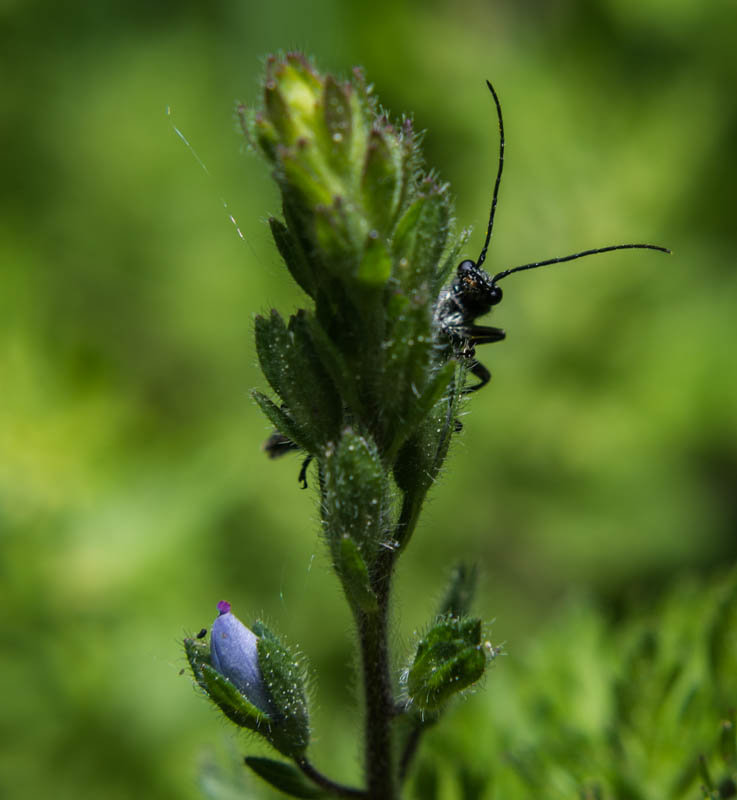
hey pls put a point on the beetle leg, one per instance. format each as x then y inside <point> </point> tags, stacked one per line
<point>303,472</point>
<point>484,334</point>
<point>483,374</point>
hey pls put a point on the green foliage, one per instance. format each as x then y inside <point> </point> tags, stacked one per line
<point>460,592</point>
<point>449,658</point>
<point>296,373</point>
<point>356,578</point>
<point>356,497</point>
<point>364,234</point>
<point>640,709</point>
<point>284,678</point>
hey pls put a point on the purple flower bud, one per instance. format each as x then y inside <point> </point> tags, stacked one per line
<point>234,654</point>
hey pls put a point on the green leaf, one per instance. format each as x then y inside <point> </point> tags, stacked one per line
<point>338,125</point>
<point>294,370</point>
<point>335,364</point>
<point>334,237</point>
<point>459,595</point>
<point>278,113</point>
<point>409,355</point>
<point>303,69</point>
<point>449,658</point>
<point>284,777</point>
<point>294,256</point>
<point>198,654</point>
<point>451,260</point>
<point>722,641</point>
<point>380,181</point>
<point>301,185</point>
<point>355,577</point>
<point>421,457</point>
<point>264,134</point>
<point>284,423</point>
<point>319,403</point>
<point>415,410</point>
<point>273,345</point>
<point>420,237</point>
<point>284,679</point>
<point>355,496</point>
<point>232,703</point>
<point>376,264</point>
<point>222,692</point>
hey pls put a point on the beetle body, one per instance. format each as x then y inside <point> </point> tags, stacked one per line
<point>473,292</point>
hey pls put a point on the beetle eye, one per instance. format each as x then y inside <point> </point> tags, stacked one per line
<point>466,266</point>
<point>496,295</point>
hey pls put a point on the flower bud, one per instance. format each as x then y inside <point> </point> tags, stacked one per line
<point>254,680</point>
<point>234,654</point>
<point>449,658</point>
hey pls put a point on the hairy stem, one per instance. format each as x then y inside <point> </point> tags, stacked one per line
<point>378,694</point>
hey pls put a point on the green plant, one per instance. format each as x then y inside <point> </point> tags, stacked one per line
<point>366,388</point>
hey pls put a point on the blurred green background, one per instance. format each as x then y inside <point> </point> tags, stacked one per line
<point>600,462</point>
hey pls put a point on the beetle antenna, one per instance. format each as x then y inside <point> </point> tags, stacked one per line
<point>482,257</point>
<point>574,256</point>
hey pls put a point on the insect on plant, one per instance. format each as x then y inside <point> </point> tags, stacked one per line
<point>473,292</point>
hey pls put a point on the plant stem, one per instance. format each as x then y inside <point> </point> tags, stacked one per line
<point>325,783</point>
<point>410,749</point>
<point>379,697</point>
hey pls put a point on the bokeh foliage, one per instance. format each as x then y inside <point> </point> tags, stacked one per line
<point>601,459</point>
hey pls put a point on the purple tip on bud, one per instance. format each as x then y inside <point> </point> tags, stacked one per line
<point>234,654</point>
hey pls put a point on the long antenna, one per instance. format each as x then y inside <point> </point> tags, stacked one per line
<point>482,257</point>
<point>583,253</point>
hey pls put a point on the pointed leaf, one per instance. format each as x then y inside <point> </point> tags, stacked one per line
<point>355,495</point>
<point>278,112</point>
<point>335,364</point>
<point>272,346</point>
<point>338,125</point>
<point>334,237</point>
<point>294,370</point>
<point>451,260</point>
<point>232,703</point>
<point>409,353</point>
<point>459,595</point>
<point>284,423</point>
<point>301,186</point>
<point>198,654</point>
<point>284,777</point>
<point>376,264</point>
<point>284,678</point>
<point>421,457</point>
<point>380,182</point>
<point>417,409</point>
<point>420,238</point>
<point>448,659</point>
<point>355,577</point>
<point>293,255</point>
